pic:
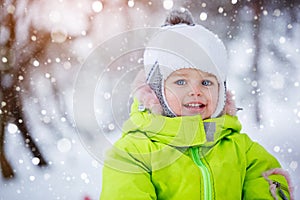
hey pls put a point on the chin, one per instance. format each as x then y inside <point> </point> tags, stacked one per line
<point>191,113</point>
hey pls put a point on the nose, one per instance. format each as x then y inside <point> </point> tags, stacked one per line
<point>195,91</point>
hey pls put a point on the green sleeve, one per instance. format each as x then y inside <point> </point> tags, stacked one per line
<point>126,173</point>
<point>255,185</point>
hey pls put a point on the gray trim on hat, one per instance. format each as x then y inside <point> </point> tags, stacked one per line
<point>156,83</point>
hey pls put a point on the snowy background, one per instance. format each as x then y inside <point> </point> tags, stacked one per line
<point>51,51</point>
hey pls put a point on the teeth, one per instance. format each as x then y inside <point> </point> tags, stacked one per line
<point>194,105</point>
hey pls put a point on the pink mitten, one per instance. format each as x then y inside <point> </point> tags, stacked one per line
<point>230,108</point>
<point>282,172</point>
<point>144,94</point>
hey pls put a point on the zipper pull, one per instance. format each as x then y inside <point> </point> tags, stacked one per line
<point>281,193</point>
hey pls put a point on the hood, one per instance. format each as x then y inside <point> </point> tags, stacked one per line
<point>183,131</point>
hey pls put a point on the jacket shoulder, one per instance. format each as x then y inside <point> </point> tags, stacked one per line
<point>242,140</point>
<point>136,142</point>
<point>132,152</point>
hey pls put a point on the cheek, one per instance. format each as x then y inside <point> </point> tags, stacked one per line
<point>214,96</point>
<point>173,99</point>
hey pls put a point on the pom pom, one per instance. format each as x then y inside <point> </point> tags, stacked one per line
<point>181,16</point>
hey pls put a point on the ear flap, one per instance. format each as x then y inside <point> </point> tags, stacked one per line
<point>154,78</point>
<point>156,83</point>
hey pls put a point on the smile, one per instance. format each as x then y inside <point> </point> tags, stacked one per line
<point>194,105</point>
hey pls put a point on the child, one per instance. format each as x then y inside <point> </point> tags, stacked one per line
<point>182,140</point>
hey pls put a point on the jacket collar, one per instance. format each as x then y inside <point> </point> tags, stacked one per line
<point>181,131</point>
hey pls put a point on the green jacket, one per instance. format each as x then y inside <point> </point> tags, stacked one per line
<point>187,158</point>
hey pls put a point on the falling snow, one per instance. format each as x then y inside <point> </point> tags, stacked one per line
<point>97,6</point>
<point>168,4</point>
<point>4,59</point>
<point>203,16</point>
<point>35,161</point>
<point>12,128</point>
<point>59,35</point>
<point>76,28</point>
<point>64,145</point>
<point>36,63</point>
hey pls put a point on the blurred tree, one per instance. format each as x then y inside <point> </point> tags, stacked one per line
<point>24,45</point>
<point>16,53</point>
<point>265,15</point>
<point>257,7</point>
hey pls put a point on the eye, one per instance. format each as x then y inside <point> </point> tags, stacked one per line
<point>180,82</point>
<point>206,82</point>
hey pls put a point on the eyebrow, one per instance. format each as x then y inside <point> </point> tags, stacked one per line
<point>210,75</point>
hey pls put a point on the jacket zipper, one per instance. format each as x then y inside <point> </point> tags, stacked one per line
<point>205,173</point>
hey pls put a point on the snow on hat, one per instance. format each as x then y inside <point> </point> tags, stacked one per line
<point>182,44</point>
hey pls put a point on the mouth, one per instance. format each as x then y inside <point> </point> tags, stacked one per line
<point>194,105</point>
<point>194,108</point>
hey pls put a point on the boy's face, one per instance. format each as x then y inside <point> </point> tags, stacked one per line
<point>192,92</point>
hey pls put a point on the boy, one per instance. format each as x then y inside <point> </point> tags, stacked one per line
<point>181,141</point>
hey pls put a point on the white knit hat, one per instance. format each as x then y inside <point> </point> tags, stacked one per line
<point>180,46</point>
